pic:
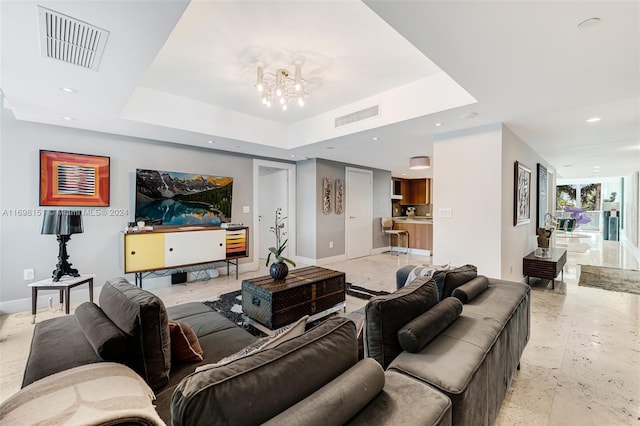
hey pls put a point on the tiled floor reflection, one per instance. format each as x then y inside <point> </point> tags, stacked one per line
<point>581,365</point>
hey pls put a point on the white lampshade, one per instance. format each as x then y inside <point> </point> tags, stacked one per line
<point>416,163</point>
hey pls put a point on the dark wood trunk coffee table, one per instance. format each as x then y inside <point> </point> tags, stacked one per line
<point>545,267</point>
<point>312,291</point>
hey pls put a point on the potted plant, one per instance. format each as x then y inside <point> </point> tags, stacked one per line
<point>279,269</point>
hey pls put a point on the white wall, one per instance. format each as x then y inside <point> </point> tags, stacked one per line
<point>467,175</point>
<point>517,241</point>
<point>98,249</point>
<point>473,174</point>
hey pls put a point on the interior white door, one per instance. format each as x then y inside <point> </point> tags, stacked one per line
<point>359,212</point>
<point>273,195</point>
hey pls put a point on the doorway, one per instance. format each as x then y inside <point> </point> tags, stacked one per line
<point>274,188</point>
<point>359,212</point>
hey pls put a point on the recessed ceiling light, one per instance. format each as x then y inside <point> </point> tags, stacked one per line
<point>210,141</point>
<point>593,119</point>
<point>468,115</point>
<point>375,138</point>
<point>588,23</point>
<point>68,90</point>
<point>438,124</point>
<point>66,117</point>
<point>293,156</point>
<point>330,147</point>
<point>404,174</point>
<point>596,167</point>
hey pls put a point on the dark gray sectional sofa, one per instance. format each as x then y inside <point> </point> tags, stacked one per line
<point>456,371</point>
<point>312,379</point>
<point>471,361</point>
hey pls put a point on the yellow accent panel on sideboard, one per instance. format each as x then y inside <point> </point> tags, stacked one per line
<point>143,252</point>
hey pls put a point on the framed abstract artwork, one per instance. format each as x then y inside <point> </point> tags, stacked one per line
<point>68,179</point>
<point>543,199</point>
<point>522,194</point>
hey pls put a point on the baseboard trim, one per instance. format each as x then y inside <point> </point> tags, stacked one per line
<point>305,260</point>
<point>332,259</point>
<point>380,250</point>
<point>79,295</point>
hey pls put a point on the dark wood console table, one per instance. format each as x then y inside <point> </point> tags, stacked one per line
<point>545,267</point>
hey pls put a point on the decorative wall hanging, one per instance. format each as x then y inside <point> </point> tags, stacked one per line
<point>326,195</point>
<point>522,195</point>
<point>339,188</point>
<point>73,179</point>
<point>543,207</point>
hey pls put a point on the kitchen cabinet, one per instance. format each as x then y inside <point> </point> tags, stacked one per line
<point>413,191</point>
<point>420,234</point>
<point>418,191</point>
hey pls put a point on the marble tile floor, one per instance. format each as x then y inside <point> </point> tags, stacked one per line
<point>581,365</point>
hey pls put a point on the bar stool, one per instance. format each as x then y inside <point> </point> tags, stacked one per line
<point>387,227</point>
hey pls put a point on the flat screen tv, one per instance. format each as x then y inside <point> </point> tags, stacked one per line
<point>173,198</point>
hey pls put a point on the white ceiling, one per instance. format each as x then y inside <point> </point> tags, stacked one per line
<point>184,72</point>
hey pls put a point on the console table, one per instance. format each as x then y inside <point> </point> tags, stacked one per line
<point>65,285</point>
<point>312,291</point>
<point>545,267</point>
<point>169,248</point>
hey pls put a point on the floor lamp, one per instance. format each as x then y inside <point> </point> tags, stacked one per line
<point>62,223</point>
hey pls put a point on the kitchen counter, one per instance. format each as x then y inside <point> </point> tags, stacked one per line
<point>415,219</point>
<point>420,229</point>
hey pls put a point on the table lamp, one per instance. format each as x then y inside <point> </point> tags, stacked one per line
<point>62,223</point>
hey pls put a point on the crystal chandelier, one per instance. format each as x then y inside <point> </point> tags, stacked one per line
<point>280,88</point>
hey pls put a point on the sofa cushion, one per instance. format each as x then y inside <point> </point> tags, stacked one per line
<point>109,342</point>
<point>469,290</point>
<point>184,343</point>
<point>420,331</point>
<point>142,316</point>
<point>405,401</point>
<point>253,389</point>
<point>280,336</point>
<point>385,315</point>
<point>52,342</point>
<point>449,280</point>
<point>337,401</point>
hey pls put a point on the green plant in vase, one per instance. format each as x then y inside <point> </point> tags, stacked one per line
<point>279,269</point>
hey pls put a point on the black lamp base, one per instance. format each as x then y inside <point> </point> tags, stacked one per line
<point>63,267</point>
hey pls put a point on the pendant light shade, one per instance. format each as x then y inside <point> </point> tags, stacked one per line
<point>416,163</point>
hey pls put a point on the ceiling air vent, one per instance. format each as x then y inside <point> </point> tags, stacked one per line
<point>370,112</point>
<point>70,40</point>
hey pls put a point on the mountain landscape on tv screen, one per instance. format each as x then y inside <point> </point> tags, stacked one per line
<point>173,198</point>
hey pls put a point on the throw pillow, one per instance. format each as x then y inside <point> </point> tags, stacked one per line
<point>469,290</point>
<point>416,334</point>
<point>184,343</point>
<point>109,342</point>
<point>426,271</point>
<point>449,280</point>
<point>280,336</point>
<point>385,315</point>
